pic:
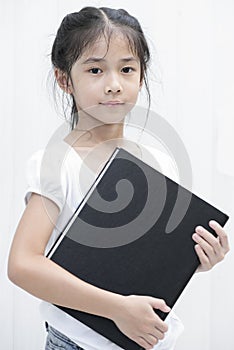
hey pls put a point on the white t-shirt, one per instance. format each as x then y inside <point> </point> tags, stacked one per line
<point>59,174</point>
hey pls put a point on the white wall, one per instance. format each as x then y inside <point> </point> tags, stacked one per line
<point>192,44</point>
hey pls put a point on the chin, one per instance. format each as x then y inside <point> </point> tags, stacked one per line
<point>108,115</point>
<point>110,118</point>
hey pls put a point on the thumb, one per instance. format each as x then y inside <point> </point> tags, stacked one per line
<point>160,304</point>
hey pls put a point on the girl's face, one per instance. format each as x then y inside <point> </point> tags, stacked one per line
<point>106,80</point>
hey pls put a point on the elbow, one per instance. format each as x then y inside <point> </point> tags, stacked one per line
<point>15,271</point>
<point>12,272</point>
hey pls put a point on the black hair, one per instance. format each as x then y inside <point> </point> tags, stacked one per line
<point>79,30</point>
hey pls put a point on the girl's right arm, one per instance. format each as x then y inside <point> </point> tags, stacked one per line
<point>31,270</point>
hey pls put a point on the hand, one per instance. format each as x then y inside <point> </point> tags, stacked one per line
<point>210,249</point>
<point>138,321</point>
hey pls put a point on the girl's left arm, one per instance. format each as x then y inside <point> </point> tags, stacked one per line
<point>210,249</point>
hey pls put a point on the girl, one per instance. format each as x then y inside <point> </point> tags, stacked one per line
<point>100,58</point>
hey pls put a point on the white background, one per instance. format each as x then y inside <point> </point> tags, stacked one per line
<point>192,84</point>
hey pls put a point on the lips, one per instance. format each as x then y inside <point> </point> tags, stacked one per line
<point>112,103</point>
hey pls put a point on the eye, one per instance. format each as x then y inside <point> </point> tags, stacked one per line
<point>95,70</point>
<point>127,69</point>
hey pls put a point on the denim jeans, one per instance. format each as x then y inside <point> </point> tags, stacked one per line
<point>58,341</point>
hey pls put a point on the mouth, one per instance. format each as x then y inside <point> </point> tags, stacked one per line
<point>112,103</point>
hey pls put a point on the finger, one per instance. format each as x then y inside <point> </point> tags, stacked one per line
<point>209,238</point>
<point>204,260</point>
<point>223,238</point>
<point>160,304</point>
<point>143,343</point>
<point>158,334</point>
<point>151,339</point>
<point>154,335</point>
<point>206,247</point>
<point>161,326</point>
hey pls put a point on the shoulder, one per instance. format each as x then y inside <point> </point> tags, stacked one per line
<point>52,172</point>
<point>53,160</point>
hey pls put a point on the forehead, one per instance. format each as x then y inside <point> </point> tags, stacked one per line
<point>115,46</point>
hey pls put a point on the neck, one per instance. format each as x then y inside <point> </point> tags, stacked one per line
<point>92,131</point>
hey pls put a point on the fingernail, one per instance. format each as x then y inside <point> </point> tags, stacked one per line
<point>212,223</point>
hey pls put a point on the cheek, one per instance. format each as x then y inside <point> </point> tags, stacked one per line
<point>86,95</point>
<point>133,92</point>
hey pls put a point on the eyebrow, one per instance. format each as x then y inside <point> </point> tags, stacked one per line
<point>101,59</point>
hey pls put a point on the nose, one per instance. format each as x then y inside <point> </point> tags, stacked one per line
<point>113,84</point>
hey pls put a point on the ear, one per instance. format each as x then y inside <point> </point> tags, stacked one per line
<point>61,78</point>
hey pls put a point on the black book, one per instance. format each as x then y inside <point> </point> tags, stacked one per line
<point>127,237</point>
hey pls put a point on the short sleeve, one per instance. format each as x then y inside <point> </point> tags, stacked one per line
<point>45,176</point>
